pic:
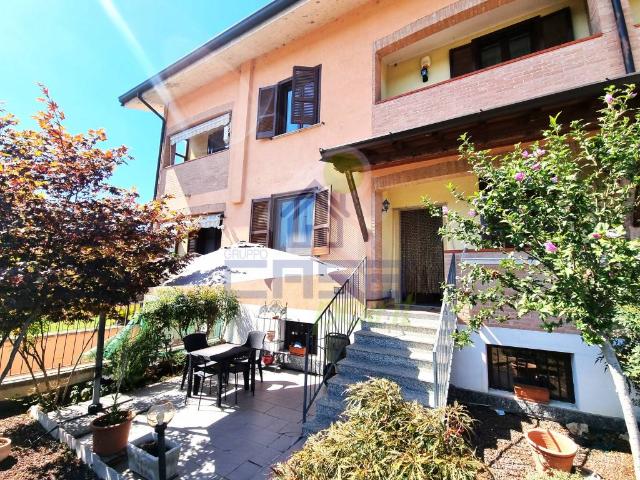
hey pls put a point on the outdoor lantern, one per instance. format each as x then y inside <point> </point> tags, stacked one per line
<point>385,205</point>
<point>158,416</point>
<point>425,63</point>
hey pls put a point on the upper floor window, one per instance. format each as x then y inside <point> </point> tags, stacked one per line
<point>526,37</point>
<point>209,137</point>
<point>296,222</point>
<point>290,104</point>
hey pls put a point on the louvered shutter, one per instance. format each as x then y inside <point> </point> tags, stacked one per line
<point>267,100</point>
<point>260,220</point>
<point>461,60</point>
<point>556,28</point>
<point>192,242</point>
<point>322,222</point>
<point>305,105</point>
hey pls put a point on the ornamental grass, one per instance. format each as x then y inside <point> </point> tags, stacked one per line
<point>381,436</point>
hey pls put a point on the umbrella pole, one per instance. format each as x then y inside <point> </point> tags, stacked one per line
<point>96,406</point>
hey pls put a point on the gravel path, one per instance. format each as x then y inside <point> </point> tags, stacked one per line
<point>501,444</point>
<point>47,460</point>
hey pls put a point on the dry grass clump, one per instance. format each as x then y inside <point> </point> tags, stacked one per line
<point>384,437</point>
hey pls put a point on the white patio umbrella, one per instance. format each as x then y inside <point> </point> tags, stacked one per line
<point>243,262</point>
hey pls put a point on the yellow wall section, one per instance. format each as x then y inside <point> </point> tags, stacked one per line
<point>635,11</point>
<point>409,197</point>
<point>402,77</point>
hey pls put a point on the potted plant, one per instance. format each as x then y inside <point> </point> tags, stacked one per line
<point>267,359</point>
<point>551,450</point>
<point>111,430</point>
<point>5,448</point>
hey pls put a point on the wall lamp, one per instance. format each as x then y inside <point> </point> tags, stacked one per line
<point>385,205</point>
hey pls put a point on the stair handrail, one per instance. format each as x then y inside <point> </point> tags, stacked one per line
<point>443,346</point>
<point>347,307</point>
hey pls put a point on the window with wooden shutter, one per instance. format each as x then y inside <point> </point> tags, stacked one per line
<point>322,222</point>
<point>306,95</point>
<point>260,221</point>
<point>267,108</point>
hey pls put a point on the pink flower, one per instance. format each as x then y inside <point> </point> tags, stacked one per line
<point>554,179</point>
<point>608,98</point>
<point>536,166</point>
<point>472,213</point>
<point>525,154</point>
<point>519,177</point>
<point>445,210</point>
<point>550,247</point>
<point>596,235</point>
<point>539,152</point>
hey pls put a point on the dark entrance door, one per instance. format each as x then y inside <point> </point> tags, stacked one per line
<point>421,258</point>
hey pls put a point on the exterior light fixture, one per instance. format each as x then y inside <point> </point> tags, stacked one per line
<point>158,416</point>
<point>425,63</point>
<point>385,205</point>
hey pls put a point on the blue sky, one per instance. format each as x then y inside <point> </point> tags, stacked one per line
<point>76,49</point>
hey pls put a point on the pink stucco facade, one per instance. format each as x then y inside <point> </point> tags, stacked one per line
<point>350,49</point>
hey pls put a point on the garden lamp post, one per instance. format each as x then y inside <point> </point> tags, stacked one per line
<point>158,417</point>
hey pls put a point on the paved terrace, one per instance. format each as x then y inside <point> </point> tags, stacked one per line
<point>234,442</point>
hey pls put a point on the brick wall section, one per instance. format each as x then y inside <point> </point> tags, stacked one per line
<point>579,63</point>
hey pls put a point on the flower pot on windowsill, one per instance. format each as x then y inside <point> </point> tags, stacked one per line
<point>5,448</point>
<point>531,393</point>
<point>551,450</point>
<point>110,435</point>
<point>143,456</point>
<point>297,351</point>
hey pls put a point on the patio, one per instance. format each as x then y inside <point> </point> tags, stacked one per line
<point>232,442</point>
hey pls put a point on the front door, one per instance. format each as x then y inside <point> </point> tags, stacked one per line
<point>421,258</point>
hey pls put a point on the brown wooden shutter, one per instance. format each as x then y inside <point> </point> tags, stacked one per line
<point>192,242</point>
<point>267,104</point>
<point>260,221</point>
<point>322,222</point>
<point>305,105</point>
<point>556,28</point>
<point>461,60</point>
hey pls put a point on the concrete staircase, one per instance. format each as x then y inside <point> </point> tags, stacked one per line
<point>394,344</point>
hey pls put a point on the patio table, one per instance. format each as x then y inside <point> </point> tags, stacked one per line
<point>223,354</point>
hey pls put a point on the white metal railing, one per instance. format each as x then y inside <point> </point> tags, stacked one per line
<point>443,347</point>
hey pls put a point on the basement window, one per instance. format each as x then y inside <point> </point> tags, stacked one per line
<point>512,365</point>
<point>204,139</point>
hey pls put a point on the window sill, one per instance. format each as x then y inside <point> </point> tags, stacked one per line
<point>300,130</point>
<point>552,403</point>
<point>210,155</point>
<point>492,67</point>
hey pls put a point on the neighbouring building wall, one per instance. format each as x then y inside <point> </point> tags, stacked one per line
<point>594,392</point>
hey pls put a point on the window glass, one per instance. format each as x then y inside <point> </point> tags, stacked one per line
<point>293,229</point>
<point>519,45</point>
<point>490,54</point>
<point>285,101</point>
<point>216,141</point>
<point>181,151</point>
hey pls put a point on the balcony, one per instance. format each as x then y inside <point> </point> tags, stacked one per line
<point>508,57</point>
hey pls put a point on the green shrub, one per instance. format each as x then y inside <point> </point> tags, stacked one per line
<point>383,437</point>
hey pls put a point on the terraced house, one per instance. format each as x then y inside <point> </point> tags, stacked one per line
<point>316,126</point>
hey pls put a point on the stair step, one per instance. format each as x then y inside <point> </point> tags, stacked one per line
<point>396,314</point>
<point>411,378</point>
<point>329,407</point>
<point>314,425</point>
<point>402,322</point>
<point>337,386</point>
<point>399,340</point>
<point>383,355</point>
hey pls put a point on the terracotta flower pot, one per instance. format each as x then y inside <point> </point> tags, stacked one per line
<point>111,439</point>
<point>297,351</point>
<point>551,450</point>
<point>531,393</point>
<point>5,448</point>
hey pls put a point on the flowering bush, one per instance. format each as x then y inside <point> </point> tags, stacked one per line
<point>564,204</point>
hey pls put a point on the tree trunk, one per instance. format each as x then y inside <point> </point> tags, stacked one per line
<point>624,396</point>
<point>14,350</point>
